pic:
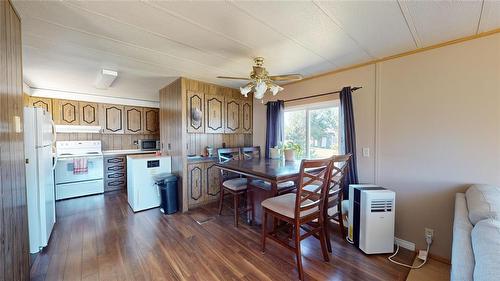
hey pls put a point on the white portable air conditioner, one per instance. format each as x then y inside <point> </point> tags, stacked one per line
<point>371,218</point>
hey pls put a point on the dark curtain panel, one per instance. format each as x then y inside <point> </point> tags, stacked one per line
<point>275,128</point>
<point>348,137</point>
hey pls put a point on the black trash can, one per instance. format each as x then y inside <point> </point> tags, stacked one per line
<point>169,195</point>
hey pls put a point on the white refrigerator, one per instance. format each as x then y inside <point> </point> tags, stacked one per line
<point>39,137</point>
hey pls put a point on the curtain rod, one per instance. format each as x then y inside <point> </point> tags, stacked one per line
<point>320,95</point>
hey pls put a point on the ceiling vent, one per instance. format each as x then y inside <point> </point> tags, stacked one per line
<point>105,79</point>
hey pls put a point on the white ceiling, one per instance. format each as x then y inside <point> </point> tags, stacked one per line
<point>66,43</point>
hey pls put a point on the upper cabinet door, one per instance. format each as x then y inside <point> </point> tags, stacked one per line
<point>134,120</point>
<point>44,103</point>
<point>66,112</point>
<point>246,123</point>
<point>233,116</point>
<point>195,114</point>
<point>151,121</point>
<point>112,118</point>
<point>89,113</point>
<point>214,114</point>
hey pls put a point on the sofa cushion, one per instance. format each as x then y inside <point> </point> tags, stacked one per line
<point>462,256</point>
<point>486,246</point>
<point>483,202</point>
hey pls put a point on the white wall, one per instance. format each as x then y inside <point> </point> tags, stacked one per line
<point>432,123</point>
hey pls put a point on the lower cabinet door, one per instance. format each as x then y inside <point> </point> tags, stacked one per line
<point>196,184</point>
<point>212,175</point>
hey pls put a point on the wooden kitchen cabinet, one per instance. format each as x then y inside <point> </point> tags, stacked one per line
<point>44,103</point>
<point>195,112</point>
<point>89,113</point>
<point>115,173</point>
<point>112,116</point>
<point>151,123</point>
<point>246,116</point>
<point>233,116</point>
<point>214,114</point>
<point>134,120</point>
<point>196,183</point>
<point>66,112</point>
<point>212,174</point>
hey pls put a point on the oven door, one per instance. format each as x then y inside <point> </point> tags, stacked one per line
<point>64,170</point>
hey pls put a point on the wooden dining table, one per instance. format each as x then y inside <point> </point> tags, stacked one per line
<point>273,171</point>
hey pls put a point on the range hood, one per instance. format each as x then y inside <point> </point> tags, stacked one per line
<point>77,129</point>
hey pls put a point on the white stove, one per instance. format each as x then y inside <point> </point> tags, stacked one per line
<point>71,182</point>
<point>78,148</point>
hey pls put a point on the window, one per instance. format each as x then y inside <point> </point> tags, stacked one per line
<point>315,128</point>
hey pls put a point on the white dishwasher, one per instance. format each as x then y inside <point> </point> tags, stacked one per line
<point>142,173</point>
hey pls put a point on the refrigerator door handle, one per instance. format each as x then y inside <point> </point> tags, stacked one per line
<point>54,138</point>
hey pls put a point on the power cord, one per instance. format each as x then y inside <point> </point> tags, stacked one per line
<point>428,240</point>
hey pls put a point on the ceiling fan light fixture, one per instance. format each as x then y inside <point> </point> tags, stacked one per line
<point>261,81</point>
<point>246,89</point>
<point>260,89</point>
<point>275,89</point>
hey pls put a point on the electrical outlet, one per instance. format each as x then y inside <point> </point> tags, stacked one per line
<point>429,233</point>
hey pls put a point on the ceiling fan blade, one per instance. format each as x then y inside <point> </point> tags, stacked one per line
<point>236,78</point>
<point>286,77</point>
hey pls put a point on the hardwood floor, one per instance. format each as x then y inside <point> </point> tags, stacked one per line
<point>433,270</point>
<point>100,238</point>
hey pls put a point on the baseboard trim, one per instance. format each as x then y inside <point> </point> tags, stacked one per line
<point>404,244</point>
<point>440,259</point>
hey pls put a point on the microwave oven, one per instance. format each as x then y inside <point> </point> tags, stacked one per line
<point>148,144</point>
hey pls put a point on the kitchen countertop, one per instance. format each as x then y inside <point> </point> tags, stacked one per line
<point>201,159</point>
<point>125,152</point>
<point>145,156</point>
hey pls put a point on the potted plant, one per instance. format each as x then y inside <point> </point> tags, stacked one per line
<point>289,149</point>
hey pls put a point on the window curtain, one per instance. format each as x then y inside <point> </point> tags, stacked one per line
<point>275,126</point>
<point>348,137</point>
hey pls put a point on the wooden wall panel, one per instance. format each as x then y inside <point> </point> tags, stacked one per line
<point>14,257</point>
<point>173,127</point>
<point>109,141</point>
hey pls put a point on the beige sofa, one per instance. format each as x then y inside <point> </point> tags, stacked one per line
<point>476,235</point>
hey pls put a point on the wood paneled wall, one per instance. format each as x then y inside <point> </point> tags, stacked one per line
<point>109,142</point>
<point>171,123</point>
<point>14,256</point>
<point>173,127</point>
<point>196,143</point>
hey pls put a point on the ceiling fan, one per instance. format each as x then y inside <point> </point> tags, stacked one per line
<point>261,81</point>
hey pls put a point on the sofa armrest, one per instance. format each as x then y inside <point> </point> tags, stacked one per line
<point>462,256</point>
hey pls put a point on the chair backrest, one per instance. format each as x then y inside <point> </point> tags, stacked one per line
<point>340,169</point>
<point>228,154</point>
<point>250,152</point>
<point>313,184</point>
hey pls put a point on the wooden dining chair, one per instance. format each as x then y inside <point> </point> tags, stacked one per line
<point>333,209</point>
<point>232,183</point>
<point>250,152</point>
<point>302,207</point>
<point>253,152</point>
